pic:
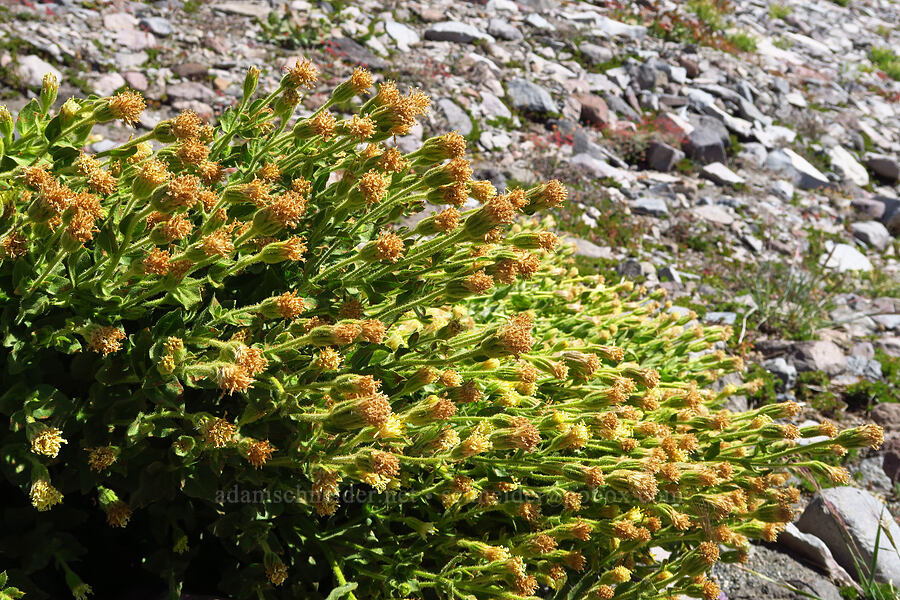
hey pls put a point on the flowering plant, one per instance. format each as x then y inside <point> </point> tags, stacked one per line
<point>222,347</point>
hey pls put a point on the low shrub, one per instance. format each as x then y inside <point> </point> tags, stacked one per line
<point>226,364</point>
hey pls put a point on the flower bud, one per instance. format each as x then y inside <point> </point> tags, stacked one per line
<point>68,111</point>
<point>251,79</point>
<point>49,89</point>
<point>6,123</point>
<point>163,132</point>
<point>264,223</point>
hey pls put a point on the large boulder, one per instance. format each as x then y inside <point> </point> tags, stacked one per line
<point>530,97</point>
<point>848,520</point>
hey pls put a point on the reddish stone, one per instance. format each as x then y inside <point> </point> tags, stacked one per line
<point>593,109</point>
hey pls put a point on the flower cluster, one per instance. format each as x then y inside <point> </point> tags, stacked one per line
<point>443,408</point>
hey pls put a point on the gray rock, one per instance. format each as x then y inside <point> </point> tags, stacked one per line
<point>753,153</point>
<point>888,321</point>
<point>705,145</point>
<point>804,175</point>
<point>456,116</point>
<point>530,97</point>
<point>539,22</point>
<point>725,318</point>
<point>504,30</point>
<point>887,414</point>
<point>782,189</point>
<point>891,213</point>
<point>870,474</point>
<point>669,274</point>
<point>404,35</point>
<point>844,163</point>
<point>783,370</point>
<point>633,268</point>
<point>137,80</point>
<point>654,206</point>
<point>886,167</point>
<point>351,51</point>
<point>662,157</point>
<point>596,55</point>
<point>814,549</point>
<point>864,367</point>
<point>492,106</point>
<point>259,10</point>
<point>713,213</point>
<point>590,249</point>
<point>190,90</point>
<point>158,26</point>
<point>619,106</point>
<point>872,233</point>
<point>720,174</point>
<point>833,514</point>
<point>108,83</point>
<point>649,77</point>
<point>772,575</point>
<point>891,450</point>
<point>612,28</point>
<point>844,257</point>
<point>753,242</point>
<point>31,70</point>
<point>819,355</point>
<point>454,31</point>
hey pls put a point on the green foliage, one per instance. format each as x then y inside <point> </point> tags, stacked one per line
<point>6,592</point>
<point>814,387</point>
<point>743,41</point>
<point>765,389</point>
<point>886,60</point>
<point>226,364</point>
<point>867,393</point>
<point>779,11</point>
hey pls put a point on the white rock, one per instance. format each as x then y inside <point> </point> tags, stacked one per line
<point>504,5</point>
<point>31,70</point>
<point>108,83</point>
<point>806,176</point>
<point>834,513</point>
<point>844,163</point>
<point>611,28</point>
<point>713,213</point>
<point>404,35</point>
<point>844,257</point>
<point>492,106</point>
<point>782,189</point>
<point>454,31</point>
<point>872,233</point>
<point>720,174</point>
<point>245,9</point>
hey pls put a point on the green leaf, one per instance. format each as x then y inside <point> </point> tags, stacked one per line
<point>341,591</point>
<point>187,293</point>
<point>63,155</point>
<point>27,121</point>
<point>53,129</point>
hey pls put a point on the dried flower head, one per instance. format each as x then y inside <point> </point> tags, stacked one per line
<point>101,458</point>
<point>374,187</point>
<point>302,74</point>
<point>218,432</point>
<point>106,339</point>
<point>258,452</point>
<point>186,125</point>
<point>127,106</point>
<point>47,441</point>
<point>389,247</point>
<point>289,305</point>
<point>44,496</point>
<point>118,514</point>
